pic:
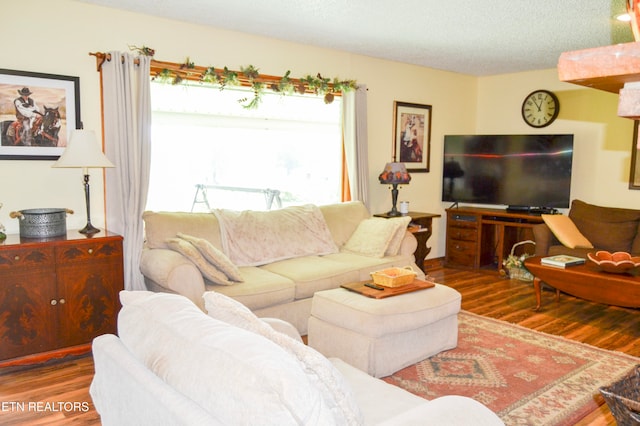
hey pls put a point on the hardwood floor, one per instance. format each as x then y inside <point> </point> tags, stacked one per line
<point>485,293</point>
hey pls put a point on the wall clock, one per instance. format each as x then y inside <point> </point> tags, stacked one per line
<point>540,108</point>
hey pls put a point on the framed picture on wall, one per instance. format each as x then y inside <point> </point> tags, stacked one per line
<point>37,114</point>
<point>412,135</point>
<point>634,176</point>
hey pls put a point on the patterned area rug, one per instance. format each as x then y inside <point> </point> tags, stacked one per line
<point>526,377</point>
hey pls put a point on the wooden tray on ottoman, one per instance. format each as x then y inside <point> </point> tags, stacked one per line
<point>361,288</point>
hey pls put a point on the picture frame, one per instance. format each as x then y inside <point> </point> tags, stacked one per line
<point>634,175</point>
<point>51,107</point>
<point>412,135</point>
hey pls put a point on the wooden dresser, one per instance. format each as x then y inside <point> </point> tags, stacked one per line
<point>56,295</point>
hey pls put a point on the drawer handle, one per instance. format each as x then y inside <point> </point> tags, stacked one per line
<point>16,258</point>
<point>54,302</point>
<point>90,251</point>
<point>62,301</point>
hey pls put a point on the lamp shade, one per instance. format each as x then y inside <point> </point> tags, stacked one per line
<point>394,173</point>
<point>83,151</point>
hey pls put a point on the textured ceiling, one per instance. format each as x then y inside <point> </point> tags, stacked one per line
<point>476,37</point>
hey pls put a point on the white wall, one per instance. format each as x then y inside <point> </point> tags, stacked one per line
<point>60,35</point>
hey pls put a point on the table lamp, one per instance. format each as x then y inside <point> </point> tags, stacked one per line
<point>394,174</point>
<point>83,152</point>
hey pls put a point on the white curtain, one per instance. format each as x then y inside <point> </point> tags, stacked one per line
<point>355,140</point>
<point>127,128</point>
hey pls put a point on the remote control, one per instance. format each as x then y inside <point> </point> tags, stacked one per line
<point>374,286</point>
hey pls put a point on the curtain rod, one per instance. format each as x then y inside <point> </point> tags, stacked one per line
<point>101,57</point>
<point>195,73</point>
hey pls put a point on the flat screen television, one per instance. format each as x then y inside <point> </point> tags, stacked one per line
<point>523,172</point>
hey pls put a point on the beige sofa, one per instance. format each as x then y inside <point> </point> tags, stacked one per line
<point>172,364</point>
<point>282,288</point>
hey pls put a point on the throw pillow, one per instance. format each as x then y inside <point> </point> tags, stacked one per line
<point>401,229</point>
<point>320,371</point>
<point>372,237</point>
<point>209,271</point>
<point>214,256</point>
<point>566,231</point>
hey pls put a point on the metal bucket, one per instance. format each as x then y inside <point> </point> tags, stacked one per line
<point>42,223</point>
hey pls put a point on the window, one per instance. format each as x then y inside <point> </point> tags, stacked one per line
<point>209,152</point>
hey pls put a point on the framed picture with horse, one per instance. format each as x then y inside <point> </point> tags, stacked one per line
<point>412,135</point>
<point>37,114</point>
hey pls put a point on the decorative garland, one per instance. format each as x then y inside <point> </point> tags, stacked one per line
<point>247,77</point>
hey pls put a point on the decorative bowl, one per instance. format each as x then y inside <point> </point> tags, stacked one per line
<point>617,263</point>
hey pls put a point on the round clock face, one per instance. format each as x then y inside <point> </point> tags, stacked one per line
<point>540,108</point>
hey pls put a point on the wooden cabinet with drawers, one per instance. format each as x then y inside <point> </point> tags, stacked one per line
<point>482,237</point>
<point>463,239</point>
<point>57,295</point>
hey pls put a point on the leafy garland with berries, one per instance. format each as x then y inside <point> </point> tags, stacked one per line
<point>248,76</point>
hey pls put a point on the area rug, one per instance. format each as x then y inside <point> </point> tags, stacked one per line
<point>524,376</point>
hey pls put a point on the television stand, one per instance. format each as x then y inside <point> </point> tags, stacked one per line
<point>482,237</point>
<point>531,210</point>
<point>518,209</point>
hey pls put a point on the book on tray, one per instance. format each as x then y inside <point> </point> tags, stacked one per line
<point>562,261</point>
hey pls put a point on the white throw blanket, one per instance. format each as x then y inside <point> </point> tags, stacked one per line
<point>252,238</point>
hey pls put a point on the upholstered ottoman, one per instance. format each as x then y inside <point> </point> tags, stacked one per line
<point>382,336</point>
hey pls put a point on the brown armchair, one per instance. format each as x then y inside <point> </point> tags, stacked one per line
<point>607,228</point>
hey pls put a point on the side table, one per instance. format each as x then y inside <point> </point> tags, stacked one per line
<point>421,227</point>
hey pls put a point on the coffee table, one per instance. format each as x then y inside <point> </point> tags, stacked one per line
<point>587,282</point>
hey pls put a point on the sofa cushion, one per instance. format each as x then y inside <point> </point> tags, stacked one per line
<point>208,270</point>
<point>234,374</point>
<point>253,238</point>
<point>565,231</point>
<point>318,368</point>
<point>370,392</point>
<point>343,219</point>
<point>214,256</point>
<point>365,265</point>
<point>159,226</point>
<point>608,228</point>
<point>358,261</point>
<point>313,273</point>
<point>396,240</point>
<point>373,236</point>
<point>260,289</point>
